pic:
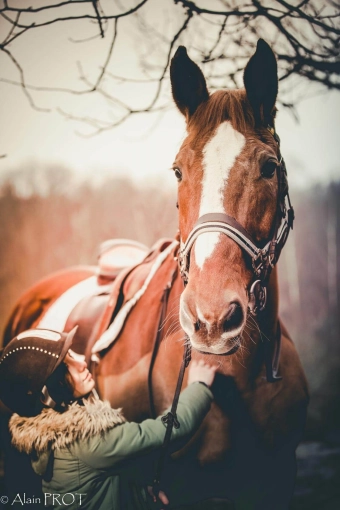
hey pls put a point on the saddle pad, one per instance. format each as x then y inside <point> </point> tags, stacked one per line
<point>110,335</point>
<point>56,316</point>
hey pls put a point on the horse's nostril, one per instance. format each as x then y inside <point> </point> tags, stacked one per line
<point>197,325</point>
<point>233,318</point>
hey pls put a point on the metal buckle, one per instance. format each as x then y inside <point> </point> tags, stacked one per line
<point>183,262</point>
<point>271,260</point>
<point>257,297</point>
<point>258,268</point>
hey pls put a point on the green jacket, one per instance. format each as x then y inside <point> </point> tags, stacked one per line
<point>91,458</point>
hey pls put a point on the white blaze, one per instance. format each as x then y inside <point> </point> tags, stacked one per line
<point>219,156</point>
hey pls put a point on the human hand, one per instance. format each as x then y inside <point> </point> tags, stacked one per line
<point>161,495</point>
<point>199,371</point>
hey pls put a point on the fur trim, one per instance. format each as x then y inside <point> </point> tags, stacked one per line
<point>50,430</point>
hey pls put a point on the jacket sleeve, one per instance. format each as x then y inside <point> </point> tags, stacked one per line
<point>130,440</point>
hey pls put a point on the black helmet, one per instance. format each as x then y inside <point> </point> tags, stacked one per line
<point>25,365</point>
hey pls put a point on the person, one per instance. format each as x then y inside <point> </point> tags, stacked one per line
<point>87,454</point>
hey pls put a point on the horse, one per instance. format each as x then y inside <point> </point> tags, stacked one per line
<point>221,287</point>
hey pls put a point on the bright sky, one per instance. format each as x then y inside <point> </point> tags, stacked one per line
<point>144,147</point>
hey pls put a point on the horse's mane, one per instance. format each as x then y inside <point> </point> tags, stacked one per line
<point>222,105</point>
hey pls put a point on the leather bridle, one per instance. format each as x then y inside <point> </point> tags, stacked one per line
<point>262,259</point>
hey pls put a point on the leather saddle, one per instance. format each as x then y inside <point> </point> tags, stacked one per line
<point>118,259</point>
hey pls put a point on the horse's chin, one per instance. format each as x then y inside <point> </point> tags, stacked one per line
<point>225,350</point>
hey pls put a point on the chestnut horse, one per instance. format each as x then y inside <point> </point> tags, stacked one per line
<point>233,223</point>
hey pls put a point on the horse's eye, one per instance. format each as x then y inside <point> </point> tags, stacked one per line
<point>268,168</point>
<point>178,174</point>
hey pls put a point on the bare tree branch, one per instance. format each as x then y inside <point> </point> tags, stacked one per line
<point>106,63</point>
<point>31,10</point>
<point>99,17</point>
<point>23,84</point>
<point>14,25</point>
<point>174,40</point>
<point>305,36</point>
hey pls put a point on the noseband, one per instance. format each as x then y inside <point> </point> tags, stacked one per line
<point>262,259</point>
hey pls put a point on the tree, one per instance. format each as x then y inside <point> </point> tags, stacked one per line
<point>221,34</point>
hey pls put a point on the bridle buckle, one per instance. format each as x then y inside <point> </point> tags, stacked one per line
<point>183,266</point>
<point>258,263</point>
<point>272,260</point>
<point>257,297</point>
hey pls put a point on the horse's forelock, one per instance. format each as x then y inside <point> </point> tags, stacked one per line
<point>222,105</point>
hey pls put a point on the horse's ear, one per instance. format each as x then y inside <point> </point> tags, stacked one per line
<point>261,82</point>
<point>189,88</point>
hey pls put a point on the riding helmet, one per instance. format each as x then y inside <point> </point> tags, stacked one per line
<point>26,363</point>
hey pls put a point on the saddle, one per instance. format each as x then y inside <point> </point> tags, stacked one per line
<point>116,255</point>
<point>118,259</point>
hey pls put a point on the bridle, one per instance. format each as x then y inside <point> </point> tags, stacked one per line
<point>262,259</point>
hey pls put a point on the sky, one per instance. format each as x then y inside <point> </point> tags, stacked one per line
<point>144,147</point>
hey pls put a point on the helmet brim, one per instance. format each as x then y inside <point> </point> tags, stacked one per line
<point>66,346</point>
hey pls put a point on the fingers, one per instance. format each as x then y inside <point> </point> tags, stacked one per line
<point>161,495</point>
<point>202,364</point>
<point>150,491</point>
<point>200,371</point>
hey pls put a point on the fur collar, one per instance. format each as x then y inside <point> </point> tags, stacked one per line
<point>50,430</point>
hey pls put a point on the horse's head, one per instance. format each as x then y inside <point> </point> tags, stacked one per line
<point>226,165</point>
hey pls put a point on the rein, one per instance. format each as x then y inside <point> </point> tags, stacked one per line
<point>170,419</point>
<point>159,337</point>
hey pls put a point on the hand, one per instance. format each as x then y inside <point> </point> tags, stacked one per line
<point>161,495</point>
<point>199,371</point>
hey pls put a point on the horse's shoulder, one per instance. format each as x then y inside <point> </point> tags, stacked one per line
<point>279,408</point>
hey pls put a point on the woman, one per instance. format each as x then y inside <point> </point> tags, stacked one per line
<point>89,457</point>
